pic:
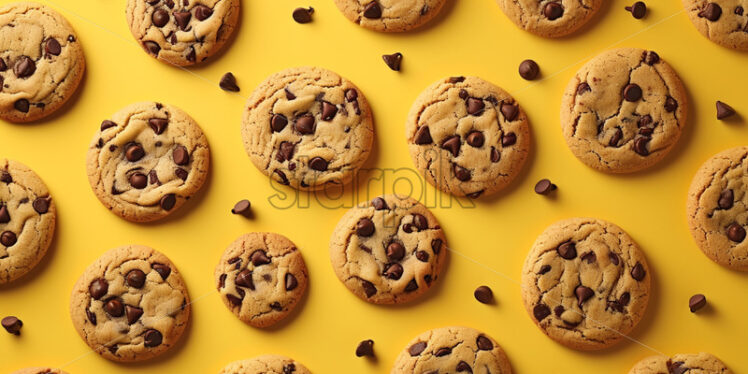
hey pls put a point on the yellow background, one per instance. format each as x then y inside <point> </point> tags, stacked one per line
<point>471,37</point>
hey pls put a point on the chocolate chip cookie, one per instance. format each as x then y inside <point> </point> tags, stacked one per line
<point>724,22</point>
<point>585,283</point>
<point>701,363</point>
<point>717,206</point>
<point>467,137</point>
<point>182,32</point>
<point>266,364</point>
<point>41,61</point>
<point>261,278</point>
<point>390,15</point>
<point>550,18</point>
<point>39,370</point>
<point>147,160</point>
<point>130,305</point>
<point>452,350</point>
<point>308,127</point>
<point>389,250</point>
<point>623,111</point>
<point>27,220</point>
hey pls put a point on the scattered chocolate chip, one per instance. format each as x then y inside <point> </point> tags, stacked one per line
<point>632,92</point>
<point>567,250</point>
<point>640,145</point>
<point>484,343</point>
<point>305,124</point>
<point>244,279</point>
<point>379,204</point>
<point>242,207</point>
<point>291,282</point>
<point>508,139</point>
<point>152,338</point>
<point>452,144</point>
<point>365,348</point>
<point>303,15</point>
<point>135,278</point>
<point>638,10</point>
<point>393,271</point>
<point>483,294</point>
<point>495,155</point>
<point>259,258</point>
<point>724,110</point>
<point>202,12</point>
<point>114,307</point>
<point>461,173</point>
<point>726,199</point>
<point>393,61</point>
<point>670,104</point>
<point>52,47</point>
<point>476,139</point>
<point>423,136</point>
<point>278,122</point>
<point>417,349</point>
<point>422,256</point>
<point>151,47</point>
<point>182,19</point>
<point>318,163</point>
<point>735,232</point>
<point>475,106</point>
<point>328,111</point>
<point>22,105</point>
<point>158,125</point>
<point>181,156</point>
<point>41,205</point>
<point>160,17</point>
<point>162,270</point>
<point>395,251</point>
<point>365,227</point>
<point>228,83</point>
<point>369,289</point>
<point>583,294</point>
<point>133,314</point>
<point>12,325</point>
<point>510,111</point>
<point>638,272</point>
<point>544,269</point>
<point>134,152</point>
<point>24,67</point>
<point>98,288</point>
<point>168,201</point>
<point>544,187</point>
<point>8,239</point>
<point>696,302</point>
<point>105,124</point>
<point>541,311</point>
<point>712,12</point>
<point>373,10</point>
<point>138,180</point>
<point>529,69</point>
<point>553,11</point>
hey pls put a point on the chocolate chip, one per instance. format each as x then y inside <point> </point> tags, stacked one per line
<point>282,176</point>
<point>443,351</point>
<point>544,269</point>
<point>393,271</point>
<point>613,258</point>
<point>583,294</point>
<point>373,10</point>
<point>638,10</point>
<point>365,227</point>
<point>181,156</point>
<point>105,124</point>
<point>393,61</point>
<point>423,136</point>
<point>735,232</point>
<point>696,302</point>
<point>160,17</point>
<point>8,239</point>
<point>98,288</point>
<point>670,104</point>
<point>484,343</point>
<point>242,207</point>
<point>3,66</point>
<point>151,47</point>
<point>738,11</point>
<point>244,279</point>
<point>726,199</point>
<point>529,69</point>
<point>461,173</point>
<point>259,258</point>
<point>510,111</point>
<point>558,310</point>
<point>379,204</point>
<point>369,289</point>
<point>4,215</point>
<point>412,285</point>
<point>318,163</point>
<point>544,187</point>
<point>365,348</point>
<point>181,174</point>
<point>152,338</point>
<point>567,250</point>
<point>483,294</point>
<point>133,314</point>
<point>422,256</point>
<point>632,92</point>
<point>153,176</point>
<point>24,67</point>
<point>452,144</point>
<point>236,301</point>
<point>162,270</point>
<point>228,83</point>
<point>158,125</point>
<point>305,124</point>
<point>553,11</point>
<point>475,106</point>
<point>12,325</point>
<point>22,105</point>
<point>328,111</point>
<point>91,317</point>
<point>135,278</point>
<point>5,177</point>
<point>650,57</point>
<point>583,87</point>
<point>640,145</point>
<point>168,201</point>
<point>395,251</point>
<point>138,180</point>
<point>278,122</point>
<point>52,47</point>
<point>476,139</point>
<point>202,12</point>
<point>303,15</point>
<point>291,282</point>
<point>182,19</point>
<point>192,55</point>
<point>617,136</point>
<point>133,152</point>
<point>724,110</point>
<point>463,366</point>
<point>495,155</point>
<point>541,311</point>
<point>114,307</point>
<point>638,272</point>
<point>417,349</point>
<point>436,246</point>
<point>712,12</point>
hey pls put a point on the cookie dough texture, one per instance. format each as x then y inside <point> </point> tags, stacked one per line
<point>39,370</point>
<point>130,304</point>
<point>308,128</point>
<point>41,61</point>
<point>261,278</point>
<point>585,283</point>
<point>389,250</point>
<point>718,208</point>
<point>700,363</point>
<point>147,160</point>
<point>724,22</point>
<point>27,220</point>
<point>452,350</point>
<point>623,111</point>
<point>390,15</point>
<point>467,137</point>
<point>266,364</point>
<point>550,18</point>
<point>182,32</point>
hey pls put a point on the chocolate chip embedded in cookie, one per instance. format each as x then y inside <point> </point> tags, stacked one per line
<point>623,111</point>
<point>467,137</point>
<point>39,370</point>
<point>41,63</point>
<point>390,15</point>
<point>585,283</point>
<point>700,363</point>
<point>130,305</point>
<point>550,18</point>
<point>182,32</point>
<point>724,22</point>
<point>266,364</point>
<point>389,250</point>
<point>147,160</point>
<point>452,350</point>
<point>716,208</point>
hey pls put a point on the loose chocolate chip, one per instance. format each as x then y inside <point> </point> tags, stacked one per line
<point>640,145</point>
<point>242,207</point>
<point>152,338</point>
<point>98,288</point>
<point>168,201</point>
<point>8,238</point>
<point>495,155</point>
<point>244,279</point>
<point>476,139</point>
<point>617,136</point>
<point>632,92</point>
<point>724,110</point>
<point>278,122</point>
<point>24,67</point>
<point>369,289</point>
<point>541,311</point>
<point>318,163</point>
<point>393,271</point>
<point>4,215</point>
<point>303,15</point>
<point>484,343</point>
<point>583,294</point>
<point>483,294</point>
<point>510,111</point>
<point>12,325</point>
<point>291,282</point>
<point>181,156</point>
<point>529,69</point>
<point>160,17</point>
<point>22,105</point>
<point>134,152</point>
<point>651,57</point>
<point>202,12</point>
<point>305,124</point>
<point>670,104</point>
<point>133,314</point>
<point>152,47</point>
<point>162,270</point>
<point>567,250</point>
<point>553,11</point>
<point>379,204</point>
<point>52,47</point>
<point>544,269</point>
<point>181,174</point>
<point>373,10</point>
<point>544,187</point>
<point>105,124</point>
<point>712,12</point>
<point>638,10</point>
<point>583,87</point>
<point>696,302</point>
<point>423,136</point>
<point>461,173</point>
<point>365,227</point>
<point>182,19</point>
<point>395,251</point>
<point>259,258</point>
<point>417,349</point>
<point>158,125</point>
<point>365,348</point>
<point>475,106</point>
<point>463,366</point>
<point>135,278</point>
<point>443,351</point>
<point>228,83</point>
<point>638,272</point>
<point>452,144</point>
<point>393,61</point>
<point>735,232</point>
<point>328,111</point>
<point>726,199</point>
<point>411,286</point>
<point>114,307</point>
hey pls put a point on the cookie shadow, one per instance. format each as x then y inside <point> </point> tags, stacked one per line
<point>40,267</point>
<point>186,208</point>
<point>64,109</point>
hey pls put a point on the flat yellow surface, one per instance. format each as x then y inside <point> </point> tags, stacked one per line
<point>489,240</point>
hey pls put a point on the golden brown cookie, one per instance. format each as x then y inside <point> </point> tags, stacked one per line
<point>700,363</point>
<point>724,22</point>
<point>390,15</point>
<point>550,18</point>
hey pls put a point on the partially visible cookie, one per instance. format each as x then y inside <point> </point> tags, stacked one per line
<point>700,363</point>
<point>182,32</point>
<point>585,283</point>
<point>266,364</point>
<point>390,15</point>
<point>308,127</point>
<point>41,61</point>
<point>27,220</point>
<point>467,137</point>
<point>389,250</point>
<point>623,111</point>
<point>39,370</point>
<point>724,22</point>
<point>452,350</point>
<point>261,278</point>
<point>131,304</point>
<point>147,160</point>
<point>550,18</point>
<point>717,206</point>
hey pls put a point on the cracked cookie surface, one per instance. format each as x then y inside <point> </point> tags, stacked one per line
<point>700,363</point>
<point>623,111</point>
<point>182,32</point>
<point>131,304</point>
<point>467,136</point>
<point>390,15</point>
<point>261,278</point>
<point>585,283</point>
<point>27,220</point>
<point>147,160</point>
<point>389,250</point>
<point>41,61</point>
<point>452,350</point>
<point>308,127</point>
<point>724,22</point>
<point>265,364</point>
<point>717,208</point>
<point>550,18</point>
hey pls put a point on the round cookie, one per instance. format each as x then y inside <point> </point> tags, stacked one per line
<point>389,250</point>
<point>261,278</point>
<point>266,364</point>
<point>308,127</point>
<point>27,220</point>
<point>39,370</point>
<point>452,350</point>
<point>41,61</point>
<point>182,32</point>
<point>623,111</point>
<point>467,137</point>
<point>585,283</point>
<point>147,161</point>
<point>130,305</point>
<point>550,19</point>
<point>717,208</point>
<point>724,22</point>
<point>390,15</point>
<point>700,363</point>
